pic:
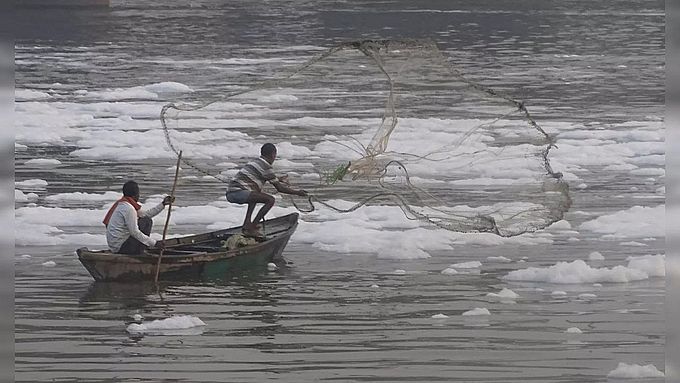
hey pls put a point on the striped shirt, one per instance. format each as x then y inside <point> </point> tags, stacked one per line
<point>253,176</point>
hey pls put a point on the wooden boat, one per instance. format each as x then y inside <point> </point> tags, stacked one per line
<point>200,256</point>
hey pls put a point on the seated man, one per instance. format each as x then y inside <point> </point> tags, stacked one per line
<point>128,226</point>
<point>246,188</point>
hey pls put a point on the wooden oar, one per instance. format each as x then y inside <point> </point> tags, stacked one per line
<point>167,219</point>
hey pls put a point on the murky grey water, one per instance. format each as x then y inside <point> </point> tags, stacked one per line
<point>322,320</point>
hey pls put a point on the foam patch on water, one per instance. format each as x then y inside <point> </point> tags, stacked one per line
<point>621,145</point>
<point>637,221</point>
<point>30,94</point>
<point>477,311</point>
<point>20,196</point>
<point>578,272</point>
<point>467,265</point>
<point>635,371</point>
<point>561,225</point>
<point>277,98</point>
<point>34,183</point>
<point>109,196</point>
<point>504,294</point>
<point>384,231</point>
<point>146,92</point>
<point>633,244</point>
<point>175,325</point>
<point>43,162</point>
<point>500,259</point>
<point>653,265</point>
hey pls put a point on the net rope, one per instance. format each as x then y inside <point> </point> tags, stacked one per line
<point>377,165</point>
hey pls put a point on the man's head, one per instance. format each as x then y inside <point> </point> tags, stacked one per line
<point>268,152</point>
<point>131,189</point>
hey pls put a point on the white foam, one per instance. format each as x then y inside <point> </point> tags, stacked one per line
<point>19,196</point>
<point>466,265</point>
<point>399,272</point>
<point>580,272</point>
<point>637,221</point>
<point>501,259</point>
<point>558,293</point>
<point>574,330</point>
<point>656,172</point>
<point>587,296</point>
<point>175,325</point>
<point>633,243</point>
<point>277,98</point>
<point>449,271</point>
<point>561,225</point>
<point>653,265</point>
<point>84,197</point>
<point>146,92</point>
<point>596,256</point>
<point>439,316</point>
<point>272,266</point>
<point>505,293</point>
<point>635,371</point>
<point>43,162</point>
<point>49,264</point>
<point>33,183</point>
<point>364,231</point>
<point>477,311</point>
<point>30,94</point>
<point>620,167</point>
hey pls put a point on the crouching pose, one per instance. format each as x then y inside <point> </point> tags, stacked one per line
<point>246,188</point>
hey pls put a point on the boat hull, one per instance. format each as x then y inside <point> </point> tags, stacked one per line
<point>193,257</point>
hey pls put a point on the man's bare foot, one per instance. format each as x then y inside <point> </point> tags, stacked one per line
<point>252,231</point>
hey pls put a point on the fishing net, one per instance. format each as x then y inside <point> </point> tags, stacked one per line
<point>384,122</point>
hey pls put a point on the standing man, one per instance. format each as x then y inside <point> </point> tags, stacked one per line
<point>128,226</point>
<point>246,188</point>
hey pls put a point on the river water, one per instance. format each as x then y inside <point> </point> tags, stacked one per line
<point>363,306</point>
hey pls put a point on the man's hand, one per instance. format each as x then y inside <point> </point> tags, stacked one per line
<point>168,200</point>
<point>160,244</point>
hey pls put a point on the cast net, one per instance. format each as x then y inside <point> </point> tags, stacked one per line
<point>382,122</point>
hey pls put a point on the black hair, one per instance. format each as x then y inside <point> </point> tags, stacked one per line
<point>130,189</point>
<point>267,149</point>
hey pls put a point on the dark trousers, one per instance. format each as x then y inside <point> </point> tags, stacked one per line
<point>132,245</point>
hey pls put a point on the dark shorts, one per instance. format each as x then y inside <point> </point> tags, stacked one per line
<point>238,196</point>
<point>132,245</point>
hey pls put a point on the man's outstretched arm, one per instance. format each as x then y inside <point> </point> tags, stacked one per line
<point>284,188</point>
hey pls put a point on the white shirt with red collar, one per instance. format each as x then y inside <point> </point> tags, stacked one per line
<point>123,224</point>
